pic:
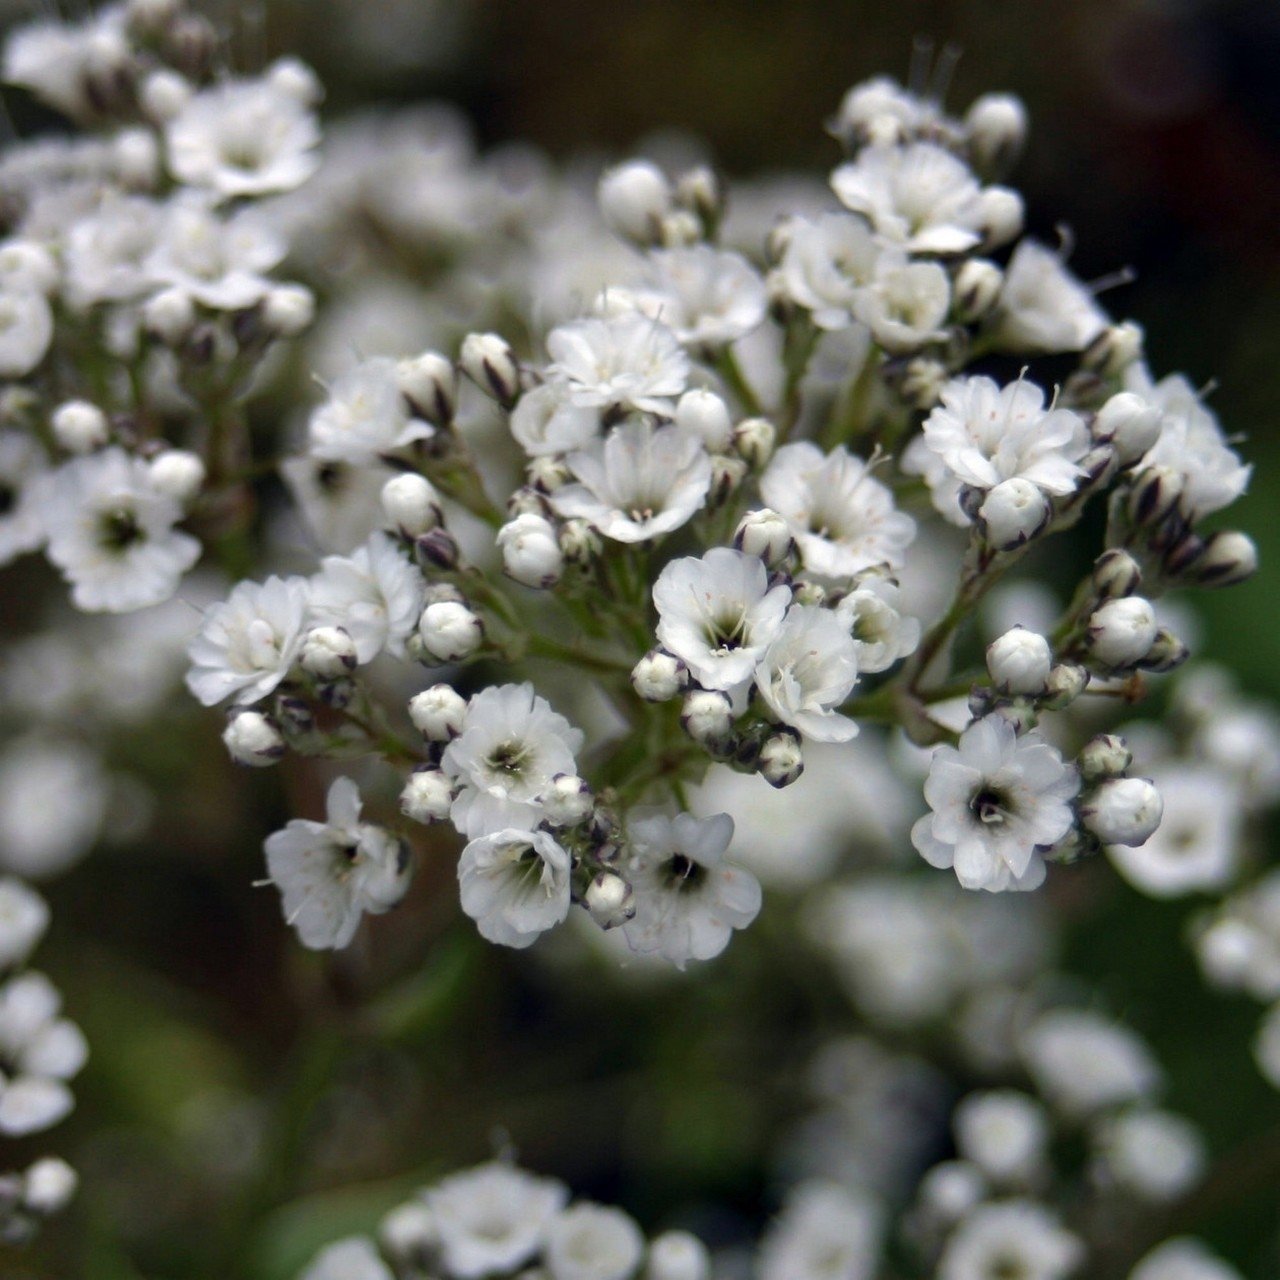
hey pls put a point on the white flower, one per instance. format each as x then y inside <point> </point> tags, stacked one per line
<point>514,885</point>
<point>546,421</point>
<point>1010,1238</point>
<point>882,634</point>
<point>243,138</point>
<point>248,643</point>
<point>981,434</point>
<point>709,297</point>
<point>1156,1155</point>
<point>22,463</point>
<point>995,802</point>
<point>219,261</point>
<point>330,873</point>
<point>592,1242</point>
<point>718,614</point>
<point>825,1232</point>
<point>880,109</point>
<point>107,250</point>
<point>375,595</point>
<point>365,416</point>
<point>640,482</point>
<point>24,916</point>
<point>511,745</point>
<point>351,1259</point>
<point>688,900</point>
<point>492,1218</point>
<point>809,668</point>
<point>56,60</point>
<point>906,304</point>
<point>53,799</point>
<point>1195,849</point>
<point>339,502</point>
<point>1043,307</point>
<point>30,1104</point>
<point>110,531</point>
<point>843,520</point>
<point>627,361</point>
<point>1084,1064</point>
<point>677,1255</point>
<point>1004,1132</point>
<point>919,196</point>
<point>827,266</point>
<point>26,329</point>
<point>39,1051</point>
<point>1182,1259</point>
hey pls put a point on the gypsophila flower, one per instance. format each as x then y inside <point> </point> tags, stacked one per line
<point>707,297</point>
<point>365,416</point>
<point>352,1259</point>
<point>882,633</point>
<point>515,885</point>
<point>1182,1259</point>
<point>1012,1237</point>
<point>593,1242</point>
<point>1042,306</point>
<point>22,463</point>
<point>808,669</point>
<point>626,361</point>
<point>1154,1155</point>
<point>825,1232</point>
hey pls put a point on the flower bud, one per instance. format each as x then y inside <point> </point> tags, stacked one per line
<point>429,383</point>
<point>1129,423</point>
<point>700,191</point>
<point>764,533</point>
<point>1104,756</point>
<point>609,900</point>
<point>1120,633</point>
<point>1001,214</point>
<point>1123,811</point>
<point>1155,493</point>
<point>996,125</point>
<point>1067,681</point>
<point>526,501</point>
<point>177,473</point>
<point>288,310</point>
<point>437,548</point>
<point>450,631</point>
<point>252,739</point>
<point>781,759</point>
<point>1116,348</point>
<point>806,591</point>
<point>136,154</point>
<point>427,796</point>
<point>579,542</point>
<point>411,505</point>
<point>707,716</point>
<point>169,315</point>
<point>488,360</point>
<point>680,229</point>
<point>1116,574</point>
<point>293,78</point>
<point>408,1235</point>
<point>438,712</point>
<point>677,1255</point>
<point>567,801</point>
<point>328,653</point>
<point>920,380</point>
<point>1020,662</point>
<point>80,427</point>
<point>1228,557</point>
<point>977,288</point>
<point>705,415</point>
<point>47,1186</point>
<point>754,439</point>
<point>727,474</point>
<point>1166,652</point>
<point>659,676</point>
<point>547,473</point>
<point>531,551</point>
<point>1013,512</point>
<point>634,199</point>
<point>164,93</point>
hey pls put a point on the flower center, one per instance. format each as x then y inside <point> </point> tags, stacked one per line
<point>682,872</point>
<point>990,806</point>
<point>510,757</point>
<point>8,498</point>
<point>119,530</point>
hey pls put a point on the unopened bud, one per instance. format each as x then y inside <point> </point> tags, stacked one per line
<point>707,716</point>
<point>727,474</point>
<point>177,473</point>
<point>659,676</point>
<point>137,158</point>
<point>438,713</point>
<point>781,760</point>
<point>705,415</point>
<point>1121,632</point>
<point>701,192</point>
<point>677,1255</point>
<point>1166,652</point>
<point>1184,550</point>
<point>1001,213</point>
<point>634,199</point>
<point>1155,493</point>
<point>438,548</point>
<point>450,631</point>
<point>567,801</point>
<point>411,505</point>
<point>1228,557</point>
<point>579,542</point>
<point>293,78</point>
<point>1116,348</point>
<point>806,591</point>
<point>328,653</point>
<point>1123,811</point>
<point>427,796</point>
<point>409,1235</point>
<point>288,310</point>
<point>764,533</point>
<point>547,473</point>
<point>1019,662</point>
<point>1116,574</point>
<point>163,94</point>
<point>1067,681</point>
<point>252,739</point>
<point>754,439</point>
<point>977,288</point>
<point>996,125</point>
<point>80,427</point>
<point>47,1186</point>
<point>680,229</point>
<point>488,360</point>
<point>1129,424</point>
<point>170,316</point>
<point>1104,756</point>
<point>531,551</point>
<point>609,900</point>
<point>1013,512</point>
<point>429,383</point>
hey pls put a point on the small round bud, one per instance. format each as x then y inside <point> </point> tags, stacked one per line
<point>919,381</point>
<point>288,310</point>
<point>1123,811</point>
<point>1012,513</point>
<point>438,712</point>
<point>488,360</point>
<point>1166,652</point>
<point>1116,574</point>
<point>781,760</point>
<point>659,676</point>
<point>977,289</point>
<point>411,504</point>
<point>996,125</point>
<point>427,796</point>
<point>408,1235</point>
<point>727,475</point>
<point>547,473</point>
<point>191,43</point>
<point>1001,216</point>
<point>567,801</point>
<point>680,229</point>
<point>47,1186</point>
<point>169,315</point>
<point>164,93</point>
<point>1020,662</point>
<point>137,158</point>
<point>609,900</point>
<point>1067,681</point>
<point>293,78</point>
<point>1120,633</point>
<point>701,192</point>
<point>177,473</point>
<point>450,631</point>
<point>28,265</point>
<point>252,739</point>
<point>1116,348</point>
<point>1104,756</point>
<point>951,1190</point>
<point>429,383</point>
<point>437,548</point>
<point>677,1255</point>
<point>705,415</point>
<point>1129,424</point>
<point>634,199</point>
<point>764,533</point>
<point>1180,555</point>
<point>531,551</point>
<point>707,716</point>
<point>328,653</point>
<point>80,427</point>
<point>1228,557</point>
<point>526,501</point>
<point>579,542</point>
<point>809,592</point>
<point>754,439</point>
<point>1155,493</point>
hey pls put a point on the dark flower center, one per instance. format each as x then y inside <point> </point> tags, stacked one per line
<point>120,530</point>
